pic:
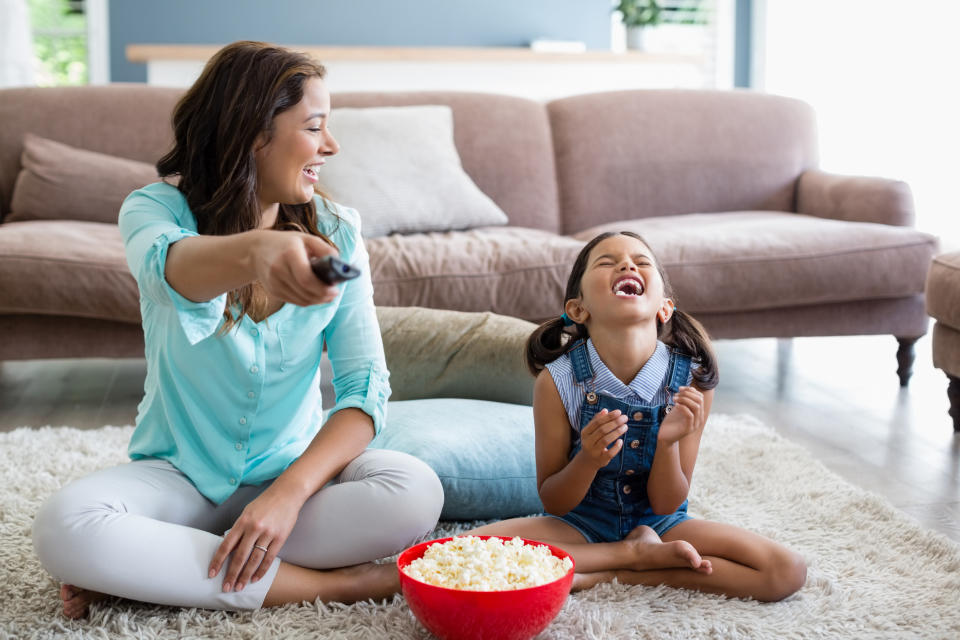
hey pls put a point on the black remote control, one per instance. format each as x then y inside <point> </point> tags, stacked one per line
<point>332,270</point>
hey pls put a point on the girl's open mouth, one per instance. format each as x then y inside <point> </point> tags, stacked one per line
<point>628,286</point>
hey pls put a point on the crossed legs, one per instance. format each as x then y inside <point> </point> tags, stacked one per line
<point>142,531</point>
<point>695,554</point>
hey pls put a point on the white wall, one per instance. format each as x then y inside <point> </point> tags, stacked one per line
<point>882,75</point>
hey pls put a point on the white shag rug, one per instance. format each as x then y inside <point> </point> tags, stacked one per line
<point>873,571</point>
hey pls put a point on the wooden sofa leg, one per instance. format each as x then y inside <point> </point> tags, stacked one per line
<point>953,394</point>
<point>905,358</point>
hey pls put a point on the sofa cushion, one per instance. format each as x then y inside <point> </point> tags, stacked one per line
<point>398,166</point>
<point>509,271</point>
<point>943,289</point>
<point>636,154</point>
<point>66,268</point>
<point>482,451</point>
<point>516,169</point>
<point>62,182</point>
<point>753,260</point>
<point>435,353</point>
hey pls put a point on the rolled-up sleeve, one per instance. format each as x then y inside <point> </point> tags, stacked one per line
<point>149,225</point>
<point>355,347</point>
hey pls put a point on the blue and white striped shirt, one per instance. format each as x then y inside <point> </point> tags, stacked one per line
<point>648,387</point>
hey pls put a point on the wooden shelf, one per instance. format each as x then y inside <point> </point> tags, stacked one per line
<point>145,53</point>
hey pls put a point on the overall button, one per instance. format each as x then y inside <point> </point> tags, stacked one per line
<point>251,394</point>
<point>254,332</point>
<point>243,421</point>
<point>233,481</point>
<point>638,415</point>
<point>627,489</point>
<point>630,472</point>
<point>634,444</point>
<point>254,369</point>
<point>239,446</point>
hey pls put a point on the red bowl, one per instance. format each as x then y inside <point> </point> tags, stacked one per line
<point>458,614</point>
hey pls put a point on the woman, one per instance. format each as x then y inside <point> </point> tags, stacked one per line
<point>228,436</point>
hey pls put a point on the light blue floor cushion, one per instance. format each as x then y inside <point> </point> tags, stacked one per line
<point>482,451</point>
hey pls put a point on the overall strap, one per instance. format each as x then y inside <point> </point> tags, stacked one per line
<point>679,371</point>
<point>580,358</point>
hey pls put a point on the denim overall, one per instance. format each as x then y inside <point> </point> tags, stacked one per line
<point>616,501</point>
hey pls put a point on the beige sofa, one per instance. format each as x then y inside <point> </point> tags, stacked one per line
<point>757,241</point>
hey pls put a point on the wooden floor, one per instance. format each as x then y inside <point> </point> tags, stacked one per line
<point>838,397</point>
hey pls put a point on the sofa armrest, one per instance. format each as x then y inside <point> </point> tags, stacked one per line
<point>855,198</point>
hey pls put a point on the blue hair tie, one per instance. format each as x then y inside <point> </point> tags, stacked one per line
<point>566,319</point>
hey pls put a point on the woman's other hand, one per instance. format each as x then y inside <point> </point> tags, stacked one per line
<point>255,539</point>
<point>280,261</point>
<point>686,417</point>
<point>600,439</point>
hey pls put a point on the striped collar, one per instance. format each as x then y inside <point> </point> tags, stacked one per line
<point>645,384</point>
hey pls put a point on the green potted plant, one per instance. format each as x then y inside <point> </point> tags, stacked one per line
<point>639,16</point>
<point>636,16</point>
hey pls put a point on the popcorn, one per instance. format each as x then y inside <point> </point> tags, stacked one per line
<point>474,564</point>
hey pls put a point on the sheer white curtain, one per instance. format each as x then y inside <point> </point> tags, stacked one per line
<point>882,75</point>
<point>16,44</point>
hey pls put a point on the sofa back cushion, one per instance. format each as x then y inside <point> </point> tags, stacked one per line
<point>504,145</point>
<point>128,121</point>
<point>503,141</point>
<point>637,154</point>
<point>58,180</point>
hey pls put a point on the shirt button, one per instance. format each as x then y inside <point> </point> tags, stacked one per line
<point>239,446</point>
<point>254,369</point>
<point>254,332</point>
<point>251,394</point>
<point>243,421</point>
<point>630,472</point>
<point>638,415</point>
<point>627,489</point>
<point>634,444</point>
<point>233,481</point>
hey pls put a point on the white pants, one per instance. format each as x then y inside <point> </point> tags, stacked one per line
<point>142,531</point>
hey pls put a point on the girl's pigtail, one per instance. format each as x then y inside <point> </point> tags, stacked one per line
<point>687,335</point>
<point>549,341</point>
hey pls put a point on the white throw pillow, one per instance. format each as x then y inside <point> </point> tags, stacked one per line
<point>399,167</point>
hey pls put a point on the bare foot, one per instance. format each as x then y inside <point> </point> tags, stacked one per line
<point>347,585</point>
<point>372,581</point>
<point>650,552</point>
<point>583,581</point>
<point>76,601</point>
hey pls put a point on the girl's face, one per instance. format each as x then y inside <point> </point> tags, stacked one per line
<point>621,284</point>
<point>287,165</point>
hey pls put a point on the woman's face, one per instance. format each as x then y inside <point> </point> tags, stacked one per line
<point>287,165</point>
<point>621,282</point>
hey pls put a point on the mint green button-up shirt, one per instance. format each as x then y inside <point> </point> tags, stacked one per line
<point>239,408</point>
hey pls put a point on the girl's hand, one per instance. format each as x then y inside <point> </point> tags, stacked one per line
<point>600,439</point>
<point>686,417</point>
<point>266,522</point>
<point>281,263</point>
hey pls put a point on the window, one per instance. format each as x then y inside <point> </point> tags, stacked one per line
<point>59,41</point>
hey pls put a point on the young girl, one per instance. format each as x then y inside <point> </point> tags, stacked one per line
<point>624,385</point>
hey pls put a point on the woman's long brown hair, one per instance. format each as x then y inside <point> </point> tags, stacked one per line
<point>216,125</point>
<point>682,331</point>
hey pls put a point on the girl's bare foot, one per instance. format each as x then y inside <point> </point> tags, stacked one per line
<point>76,601</point>
<point>650,552</point>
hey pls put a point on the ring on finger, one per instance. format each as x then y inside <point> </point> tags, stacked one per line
<point>261,547</point>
